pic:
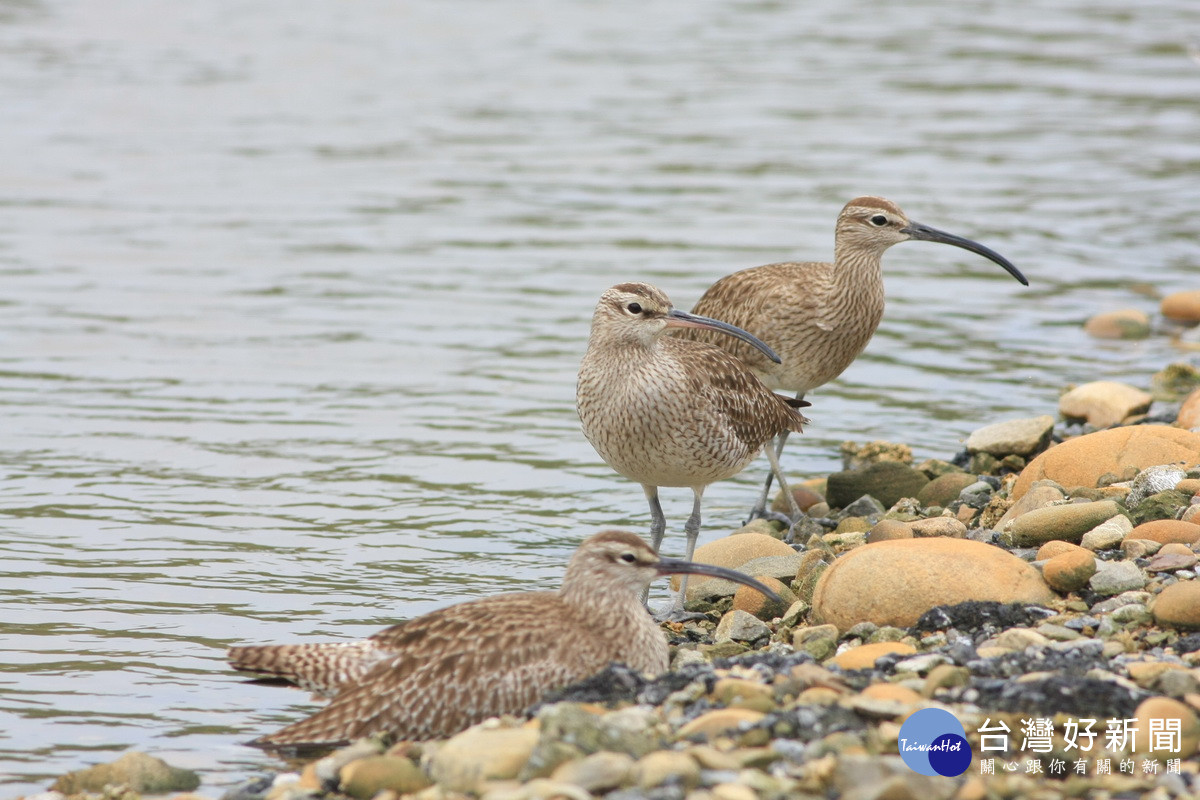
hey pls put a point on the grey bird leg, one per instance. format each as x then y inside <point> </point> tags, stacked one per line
<point>760,508</point>
<point>658,526</point>
<point>675,612</point>
<point>773,457</point>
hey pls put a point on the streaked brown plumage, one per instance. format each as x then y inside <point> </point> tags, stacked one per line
<point>664,411</point>
<point>818,315</point>
<point>438,674</point>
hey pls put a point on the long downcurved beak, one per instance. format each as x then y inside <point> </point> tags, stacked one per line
<point>677,566</point>
<point>924,233</point>
<point>682,319</point>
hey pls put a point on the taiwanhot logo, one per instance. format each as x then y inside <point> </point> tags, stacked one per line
<point>934,742</point>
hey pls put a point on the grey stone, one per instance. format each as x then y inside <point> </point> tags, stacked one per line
<point>1114,577</point>
<point>1153,480</point>
<point>1020,436</point>
<point>1124,599</point>
<point>865,506</point>
<point>740,626</point>
<point>1107,534</point>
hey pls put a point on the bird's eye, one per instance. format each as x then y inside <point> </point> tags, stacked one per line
<point>634,308</point>
<point>879,220</point>
<point>628,558</point>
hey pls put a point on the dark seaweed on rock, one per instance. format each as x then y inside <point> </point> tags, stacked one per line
<point>617,683</point>
<point>1088,698</point>
<point>975,615</point>
<point>808,723</point>
<point>1188,644</point>
<point>768,664</point>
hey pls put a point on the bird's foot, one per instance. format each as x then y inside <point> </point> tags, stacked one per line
<point>677,614</point>
<point>771,516</point>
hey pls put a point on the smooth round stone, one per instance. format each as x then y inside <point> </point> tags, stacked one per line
<point>1167,530</point>
<point>1020,436</point>
<point>892,692</point>
<point>1182,307</point>
<point>720,721</point>
<point>732,552</point>
<point>1056,547</point>
<point>1126,323</point>
<point>1068,522</point>
<point>1165,708</point>
<point>1040,496</point>
<point>755,602</point>
<point>598,772</point>
<point>944,490</point>
<point>805,499</point>
<point>1109,533</point>
<point>740,627</point>
<point>1178,605</point>
<point>1082,461</point>
<point>1189,412</point>
<point>480,754</point>
<point>888,529</point>
<point>1103,403</point>
<point>655,769</point>
<point>895,582</point>
<point>369,776</point>
<point>865,655</point>
<point>1070,571</point>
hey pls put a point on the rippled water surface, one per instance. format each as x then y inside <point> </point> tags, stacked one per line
<point>292,295</point>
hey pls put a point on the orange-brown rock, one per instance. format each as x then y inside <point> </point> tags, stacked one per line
<point>1178,605</point>
<point>733,551</point>
<point>760,605</point>
<point>893,692</point>
<point>1083,460</point>
<point>1126,323</point>
<point>1056,547</point>
<point>1182,307</point>
<point>887,529</point>
<point>1167,530</point>
<point>1070,571</point>
<point>1165,708</point>
<point>1189,412</point>
<point>865,655</point>
<point>722,720</point>
<point>805,498</point>
<point>895,582</point>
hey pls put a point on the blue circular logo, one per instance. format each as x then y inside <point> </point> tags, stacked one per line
<point>934,742</point>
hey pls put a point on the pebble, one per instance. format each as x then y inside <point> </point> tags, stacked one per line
<point>482,753</point>
<point>1107,534</point>
<point>887,529</point>
<point>886,481</point>
<point>598,772</point>
<point>1166,708</point>
<point>1021,436</point>
<point>135,770</point>
<point>1125,323</point>
<point>864,656</point>
<point>1070,571</point>
<point>740,626</point>
<point>943,490</point>
<point>1178,606</point>
<point>1040,495</point>
<point>895,582</point>
<point>754,602</point>
<point>938,526</point>
<point>1083,460</point>
<point>719,722</point>
<point>666,766</point>
<point>366,777</point>
<point>1168,530</point>
<point>1103,403</point>
<point>1068,522</point>
<point>1115,577</point>
<point>1182,306</point>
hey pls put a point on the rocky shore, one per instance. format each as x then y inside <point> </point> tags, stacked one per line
<point>1041,585</point>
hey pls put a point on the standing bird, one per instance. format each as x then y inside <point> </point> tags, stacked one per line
<point>438,674</point>
<point>818,315</point>
<point>664,411</point>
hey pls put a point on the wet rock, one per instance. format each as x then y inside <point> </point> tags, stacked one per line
<point>805,499</point>
<point>865,655</point>
<point>1039,496</point>
<point>755,602</point>
<point>719,722</point>
<point>1163,709</point>
<point>482,753</point>
<point>1165,531</point>
<point>1020,436</point>
<point>596,773</point>
<point>1183,307</point>
<point>857,456</point>
<point>938,526</point>
<point>138,771</point>
<point>740,626</point>
<point>944,490</point>
<point>1083,460</point>
<point>1163,505</point>
<point>367,777</point>
<point>634,731</point>
<point>1070,571</point>
<point>895,582</point>
<point>733,552</point>
<point>663,767</point>
<point>887,529</point>
<point>1107,534</point>
<point>1115,577</point>
<point>886,481</point>
<point>976,495</point>
<point>1068,522</point>
<point>819,641</point>
<point>1189,412</point>
<point>1056,547</point>
<point>1103,403</point>
<point>1178,605</point>
<point>1126,323</point>
<point>1153,480</point>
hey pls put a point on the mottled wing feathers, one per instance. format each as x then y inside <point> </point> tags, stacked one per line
<point>320,668</point>
<point>454,668</point>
